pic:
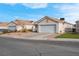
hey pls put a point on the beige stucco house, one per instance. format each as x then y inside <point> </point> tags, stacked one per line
<point>52,25</point>
<point>18,25</point>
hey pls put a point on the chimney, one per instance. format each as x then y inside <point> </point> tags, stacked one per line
<point>16,20</point>
<point>62,19</point>
<point>77,21</point>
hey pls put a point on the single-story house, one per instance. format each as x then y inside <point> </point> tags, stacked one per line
<point>3,26</point>
<point>18,25</point>
<point>52,25</point>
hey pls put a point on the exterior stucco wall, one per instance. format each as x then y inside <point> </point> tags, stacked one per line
<point>68,27</point>
<point>61,28</point>
<point>34,28</point>
<point>19,28</point>
<point>65,27</point>
<point>28,26</point>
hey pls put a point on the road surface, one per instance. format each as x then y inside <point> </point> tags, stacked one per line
<point>15,47</point>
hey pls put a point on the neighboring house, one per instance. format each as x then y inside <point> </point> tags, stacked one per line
<point>77,26</point>
<point>52,25</point>
<point>69,27</point>
<point>3,26</point>
<point>18,25</point>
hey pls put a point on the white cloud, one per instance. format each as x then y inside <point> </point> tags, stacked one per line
<point>72,14</point>
<point>35,5</point>
<point>67,7</point>
<point>12,4</point>
<point>71,17</point>
<point>69,11</point>
<point>31,5</point>
<point>70,8</point>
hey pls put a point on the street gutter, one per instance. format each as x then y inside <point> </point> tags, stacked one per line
<point>44,39</point>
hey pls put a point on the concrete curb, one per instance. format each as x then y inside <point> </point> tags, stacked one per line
<point>66,39</point>
<point>45,39</point>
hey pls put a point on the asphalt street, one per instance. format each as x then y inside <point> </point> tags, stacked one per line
<point>16,47</point>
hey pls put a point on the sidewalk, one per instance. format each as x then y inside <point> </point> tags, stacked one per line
<point>65,39</point>
<point>45,39</point>
<point>36,36</point>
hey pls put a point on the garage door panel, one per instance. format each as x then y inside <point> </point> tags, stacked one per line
<point>12,28</point>
<point>48,28</point>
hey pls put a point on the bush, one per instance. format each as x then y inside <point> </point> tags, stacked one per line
<point>30,30</point>
<point>5,31</point>
<point>24,30</point>
<point>12,31</point>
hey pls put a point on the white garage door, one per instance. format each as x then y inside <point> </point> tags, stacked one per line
<point>12,28</point>
<point>48,28</point>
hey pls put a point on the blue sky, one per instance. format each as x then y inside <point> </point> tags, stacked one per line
<point>35,11</point>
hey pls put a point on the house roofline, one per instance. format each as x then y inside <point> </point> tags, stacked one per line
<point>54,19</point>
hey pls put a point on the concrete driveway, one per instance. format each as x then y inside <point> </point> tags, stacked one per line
<point>30,35</point>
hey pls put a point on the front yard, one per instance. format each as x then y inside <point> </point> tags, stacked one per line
<point>69,35</point>
<point>26,35</point>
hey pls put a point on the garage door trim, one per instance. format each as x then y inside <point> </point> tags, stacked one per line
<point>50,28</point>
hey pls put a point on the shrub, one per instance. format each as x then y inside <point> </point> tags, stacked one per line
<point>5,31</point>
<point>24,30</point>
<point>30,30</point>
<point>12,31</point>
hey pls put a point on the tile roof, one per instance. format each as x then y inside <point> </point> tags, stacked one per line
<point>46,17</point>
<point>54,19</point>
<point>4,24</point>
<point>23,22</point>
